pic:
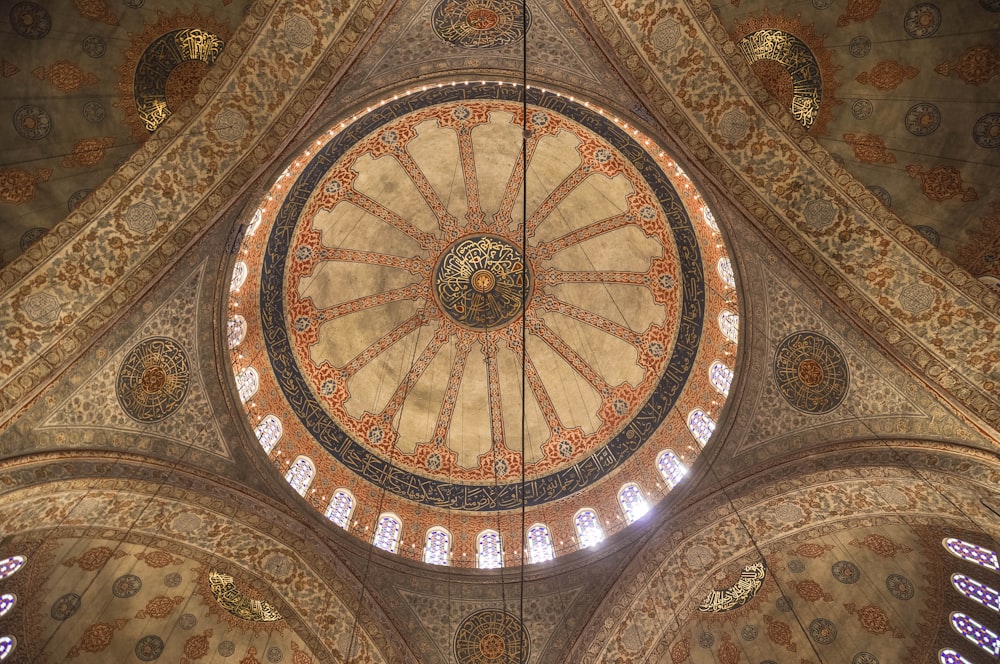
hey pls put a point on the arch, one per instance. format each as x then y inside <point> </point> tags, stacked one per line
<point>721,377</point>
<point>7,645</point>
<point>239,276</point>
<point>633,502</point>
<point>985,638</point>
<point>588,528</point>
<point>387,532</point>
<point>540,547</point>
<point>7,602</point>
<point>489,553</point>
<point>976,591</point>
<point>972,553</point>
<point>269,432</point>
<point>437,546</point>
<point>11,565</point>
<point>341,508</point>
<point>247,382</point>
<point>300,474</point>
<point>725,268</point>
<point>729,323</point>
<point>671,468</point>
<point>701,425</point>
<point>236,330</point>
<point>949,656</point>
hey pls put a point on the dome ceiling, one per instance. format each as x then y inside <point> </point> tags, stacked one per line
<point>383,306</point>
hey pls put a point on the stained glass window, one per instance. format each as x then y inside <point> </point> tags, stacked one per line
<point>340,508</point>
<point>632,501</point>
<point>300,474</point>
<point>671,468</point>
<point>725,267</point>
<point>984,638</point>
<point>972,553</point>
<point>488,552</point>
<point>977,592</point>
<point>10,565</point>
<point>7,644</point>
<point>387,533</point>
<point>236,330</point>
<point>254,223</point>
<point>268,432</point>
<point>729,323</point>
<point>540,544</point>
<point>437,546</point>
<point>709,219</point>
<point>247,382</point>
<point>588,528</point>
<point>239,276</point>
<point>949,656</point>
<point>721,377</point>
<point>701,425</point>
<point>7,601</point>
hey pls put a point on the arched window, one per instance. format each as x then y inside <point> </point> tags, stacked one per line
<point>671,468</point>
<point>709,218</point>
<point>387,533</point>
<point>10,565</point>
<point>729,323</point>
<point>7,645</point>
<point>236,330</point>
<point>300,474</point>
<point>632,502</point>
<point>268,432</point>
<point>254,223</point>
<point>701,425</point>
<point>247,382</point>
<point>340,508</point>
<point>721,377</point>
<point>949,656</point>
<point>540,546</point>
<point>972,553</point>
<point>489,555</point>
<point>437,546</point>
<point>588,528</point>
<point>239,276</point>
<point>977,592</point>
<point>984,638</point>
<point>7,601</point>
<point>725,268</point>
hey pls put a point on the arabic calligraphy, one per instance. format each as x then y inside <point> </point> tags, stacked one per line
<point>235,602</point>
<point>800,63</point>
<point>480,280</point>
<point>750,581</point>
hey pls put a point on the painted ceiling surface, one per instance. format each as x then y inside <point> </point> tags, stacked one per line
<point>388,267</point>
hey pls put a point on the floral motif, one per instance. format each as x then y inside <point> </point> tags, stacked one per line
<point>65,75</point>
<point>811,591</point>
<point>97,10</point>
<point>976,66</point>
<point>887,75</point>
<point>779,633</point>
<point>845,571</point>
<point>18,186</point>
<point>810,550</point>
<point>681,651</point>
<point>874,620</point>
<point>196,647</point>
<point>88,152</point>
<point>94,559</point>
<point>859,11</point>
<point>97,637</point>
<point>869,149</point>
<point>941,183</point>
<point>882,545</point>
<point>160,607</point>
<point>156,558</point>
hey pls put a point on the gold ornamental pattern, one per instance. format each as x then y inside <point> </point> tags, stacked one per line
<point>153,379</point>
<point>811,372</point>
<point>480,282</point>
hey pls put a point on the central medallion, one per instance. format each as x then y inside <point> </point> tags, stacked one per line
<point>480,282</point>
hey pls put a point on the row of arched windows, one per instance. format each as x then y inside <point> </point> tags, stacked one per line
<point>8,566</point>
<point>978,592</point>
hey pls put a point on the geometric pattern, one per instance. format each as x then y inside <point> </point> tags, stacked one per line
<point>153,379</point>
<point>490,636</point>
<point>811,372</point>
<point>480,24</point>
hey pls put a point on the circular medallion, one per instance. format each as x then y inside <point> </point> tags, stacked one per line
<point>783,604</point>
<point>32,122</point>
<point>491,636</point>
<point>480,282</point>
<point>94,46</point>
<point>811,372</point>
<point>864,658</point>
<point>153,379</point>
<point>845,572</point>
<point>749,632</point>
<point>30,20</point>
<point>480,23</point>
<point>93,111</point>
<point>822,4</point>
<point>133,4</point>
<point>801,85</point>
<point>986,132</point>
<point>274,654</point>
<point>76,198</point>
<point>65,606</point>
<point>187,621</point>
<point>882,194</point>
<point>226,648</point>
<point>706,640</point>
<point>899,586</point>
<point>823,631</point>
<point>922,20</point>
<point>149,648</point>
<point>860,46</point>
<point>922,119</point>
<point>126,586</point>
<point>796,566</point>
<point>31,236</point>
<point>929,234</point>
<point>862,109</point>
<point>172,580</point>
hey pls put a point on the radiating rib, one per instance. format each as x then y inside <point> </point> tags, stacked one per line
<point>413,265</point>
<point>551,277</point>
<point>467,157</point>
<point>493,381</point>
<point>370,205</point>
<point>387,341</point>
<point>446,221</point>
<point>450,398</point>
<point>410,292</point>
<point>550,303</point>
<point>402,391</point>
<point>556,196</point>
<point>514,182</point>
<point>538,327</point>
<point>548,249</point>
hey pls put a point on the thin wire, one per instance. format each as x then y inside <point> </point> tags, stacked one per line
<point>524,307</point>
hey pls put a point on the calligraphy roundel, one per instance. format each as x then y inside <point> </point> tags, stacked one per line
<point>491,636</point>
<point>480,23</point>
<point>811,372</point>
<point>153,379</point>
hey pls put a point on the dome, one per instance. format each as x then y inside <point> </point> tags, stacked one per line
<point>387,282</point>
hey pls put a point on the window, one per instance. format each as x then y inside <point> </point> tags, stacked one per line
<point>10,565</point>
<point>7,644</point>
<point>632,502</point>
<point>976,591</point>
<point>973,631</point>
<point>437,547</point>
<point>974,554</point>
<point>340,508</point>
<point>236,330</point>
<point>387,533</point>
<point>671,468</point>
<point>488,552</point>
<point>7,601</point>
<point>949,656</point>
<point>540,544</point>
<point>268,432</point>
<point>721,377</point>
<point>254,223</point>
<point>300,474</point>
<point>588,528</point>
<point>725,268</point>
<point>239,276</point>
<point>247,382</point>
<point>729,323</point>
<point>709,219</point>
<point>701,426</point>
